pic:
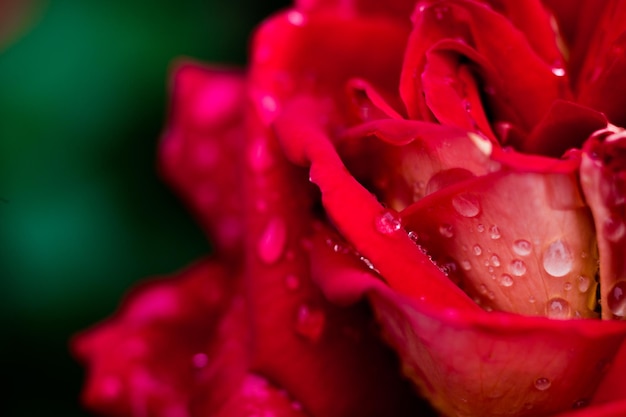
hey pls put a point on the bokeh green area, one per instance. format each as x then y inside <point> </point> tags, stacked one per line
<point>82,103</point>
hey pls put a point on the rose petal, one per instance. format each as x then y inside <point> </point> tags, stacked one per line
<point>603,178</point>
<point>201,148</point>
<point>175,319</point>
<point>399,9</point>
<point>479,363</point>
<point>288,59</point>
<point>530,90</point>
<point>411,159</point>
<point>362,222</point>
<point>534,257</point>
<point>566,125</point>
<point>257,397</point>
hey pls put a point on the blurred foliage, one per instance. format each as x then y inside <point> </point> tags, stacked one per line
<point>82,102</point>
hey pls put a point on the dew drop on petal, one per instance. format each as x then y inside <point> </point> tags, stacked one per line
<point>580,403</point>
<point>273,240</point>
<point>477,250</point>
<point>466,265</point>
<point>494,232</point>
<point>517,267</point>
<point>558,308</point>
<point>542,384</point>
<point>614,229</point>
<point>616,299</point>
<point>495,260</point>
<point>292,282</point>
<point>531,299</point>
<point>259,156</point>
<point>567,286</point>
<point>583,283</point>
<point>388,222</point>
<point>295,18</point>
<point>446,230</point>
<point>558,71</point>
<point>506,280</point>
<point>522,247</point>
<point>200,360</point>
<point>557,259</point>
<point>310,322</point>
<point>480,228</point>
<point>466,205</point>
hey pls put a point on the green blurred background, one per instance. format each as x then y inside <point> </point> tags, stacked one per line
<point>82,103</point>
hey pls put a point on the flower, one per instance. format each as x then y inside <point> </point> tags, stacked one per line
<point>448,185</point>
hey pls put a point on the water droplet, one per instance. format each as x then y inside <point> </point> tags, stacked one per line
<point>480,228</point>
<point>466,265</point>
<point>494,232</point>
<point>448,268</point>
<point>522,247</point>
<point>542,384</point>
<point>506,280</point>
<point>443,179</point>
<point>295,18</point>
<point>477,250</point>
<point>259,156</point>
<point>616,299</point>
<point>517,267</point>
<point>292,282</point>
<point>273,240</point>
<point>446,230</point>
<point>614,229</point>
<point>491,295</point>
<point>583,283</point>
<point>369,264</point>
<point>310,322</point>
<point>531,299</point>
<point>413,236</point>
<point>482,288</point>
<point>495,260</point>
<point>558,71</point>
<point>388,222</point>
<point>558,308</point>
<point>466,205</point>
<point>580,403</point>
<point>567,286</point>
<point>200,360</point>
<point>557,259</point>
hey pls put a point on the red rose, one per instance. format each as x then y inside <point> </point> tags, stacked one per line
<point>444,178</point>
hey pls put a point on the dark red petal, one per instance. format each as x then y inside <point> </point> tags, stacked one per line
<point>146,359</point>
<point>566,125</point>
<point>603,179</point>
<point>317,54</point>
<point>532,18</point>
<point>528,88</point>
<point>452,94</point>
<point>604,89</point>
<point>534,257</point>
<point>258,397</point>
<point>396,159</point>
<point>359,217</point>
<point>581,409</point>
<point>478,363</point>
<point>201,151</point>
<point>300,340</point>
<point>398,9</point>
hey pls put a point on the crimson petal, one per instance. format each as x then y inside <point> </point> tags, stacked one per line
<point>200,153</point>
<point>530,89</point>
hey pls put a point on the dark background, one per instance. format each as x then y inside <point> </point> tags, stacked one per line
<point>82,104</point>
